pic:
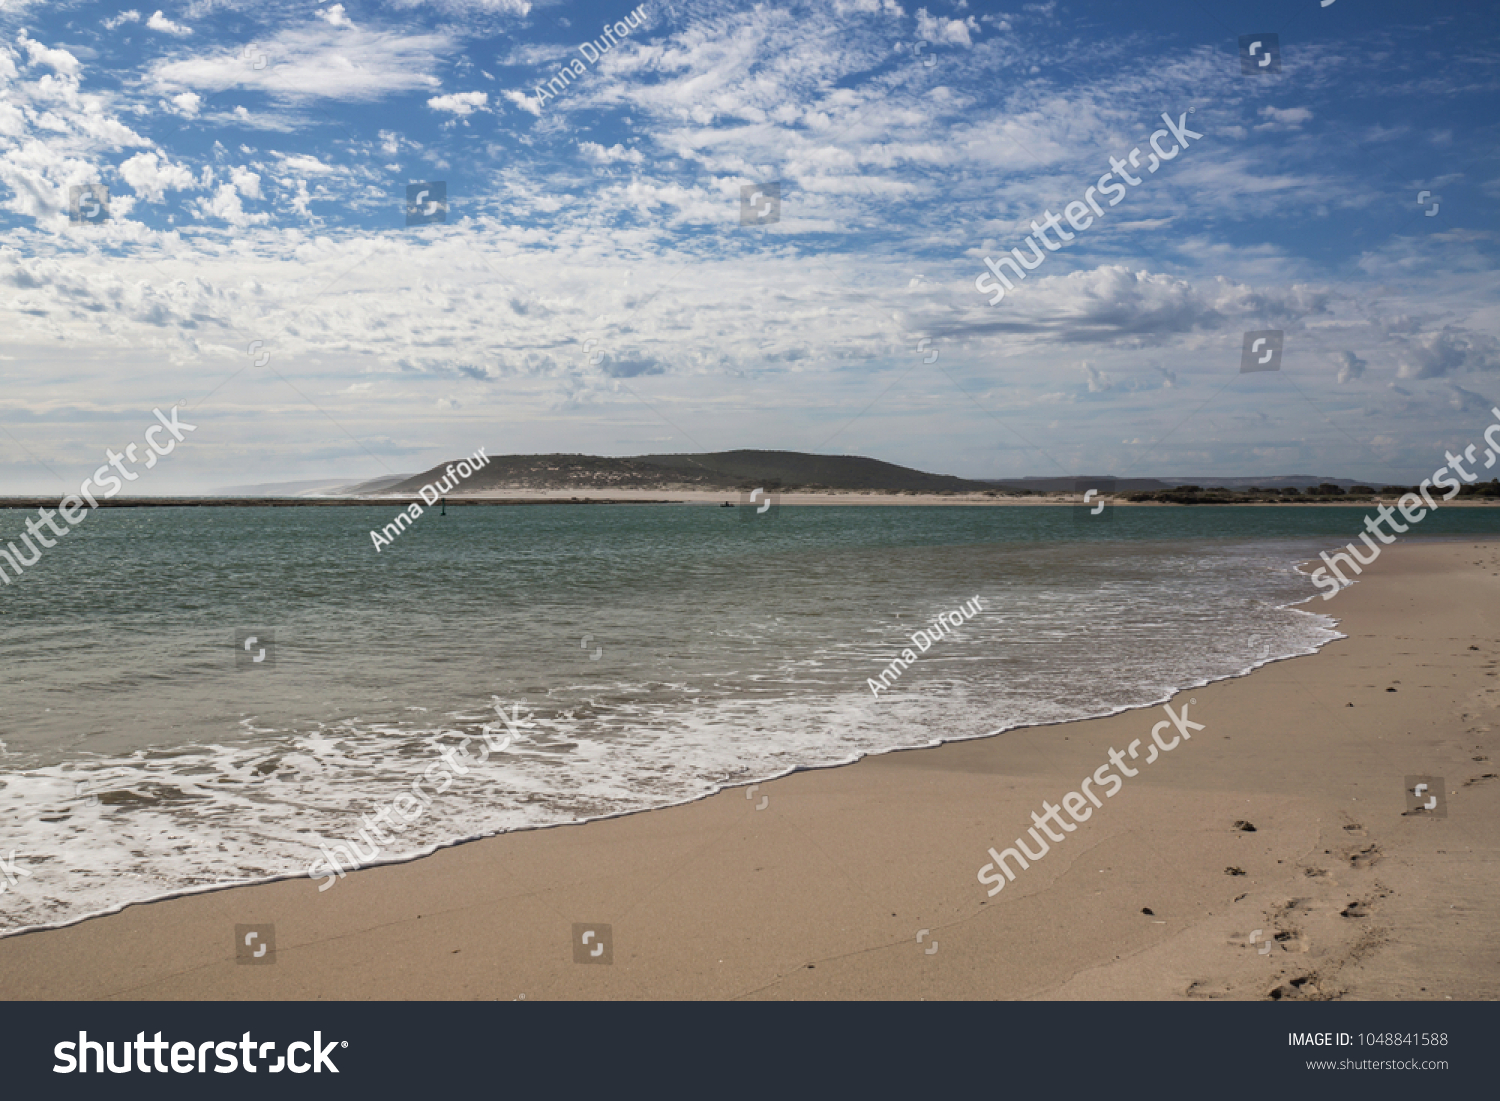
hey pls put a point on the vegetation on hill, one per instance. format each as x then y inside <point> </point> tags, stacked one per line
<point>775,471</point>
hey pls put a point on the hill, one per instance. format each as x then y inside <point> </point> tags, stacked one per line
<point>797,469</point>
<point>723,470</point>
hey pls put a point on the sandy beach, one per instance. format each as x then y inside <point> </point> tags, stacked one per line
<point>677,495</point>
<point>862,881</point>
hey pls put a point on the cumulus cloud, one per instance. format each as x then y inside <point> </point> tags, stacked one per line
<point>225,205</point>
<point>123,17</point>
<point>524,102</point>
<point>12,121</point>
<point>301,199</point>
<point>159,22</point>
<point>150,177</point>
<point>951,31</point>
<point>893,166</point>
<point>59,61</point>
<point>246,182</point>
<point>1434,355</point>
<point>335,16</point>
<point>461,104</point>
<point>598,154</point>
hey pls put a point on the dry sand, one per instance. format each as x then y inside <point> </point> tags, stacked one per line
<point>822,894</point>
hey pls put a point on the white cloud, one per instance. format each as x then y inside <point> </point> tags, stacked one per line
<point>598,154</point>
<point>246,182</point>
<point>316,61</point>
<point>225,205</point>
<point>952,31</point>
<point>1291,118</point>
<point>888,158</point>
<point>305,165</point>
<point>470,7</point>
<point>159,22</point>
<point>461,104</point>
<point>868,7</point>
<point>524,102</point>
<point>59,61</point>
<point>150,177</point>
<point>1433,355</point>
<point>123,17</point>
<point>301,200</point>
<point>335,16</point>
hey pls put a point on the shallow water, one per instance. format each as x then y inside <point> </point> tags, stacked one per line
<point>660,652</point>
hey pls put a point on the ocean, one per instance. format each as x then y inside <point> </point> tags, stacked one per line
<point>646,654</point>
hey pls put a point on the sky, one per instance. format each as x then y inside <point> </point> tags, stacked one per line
<point>206,205</point>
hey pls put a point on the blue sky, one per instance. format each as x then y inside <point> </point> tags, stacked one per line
<point>593,288</point>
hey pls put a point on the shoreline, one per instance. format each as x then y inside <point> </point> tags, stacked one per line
<point>553,861</point>
<point>714,498</point>
<point>723,787</point>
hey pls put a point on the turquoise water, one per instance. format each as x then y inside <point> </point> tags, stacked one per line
<point>660,651</point>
